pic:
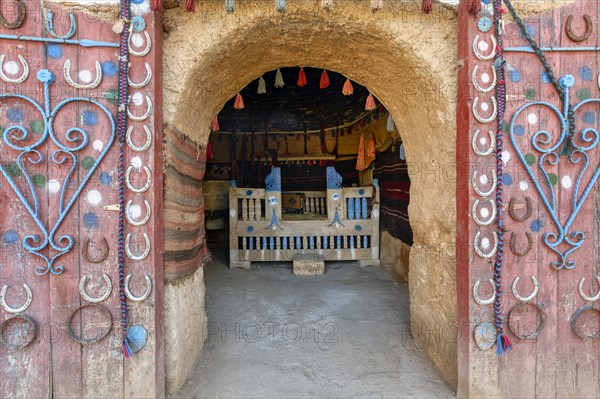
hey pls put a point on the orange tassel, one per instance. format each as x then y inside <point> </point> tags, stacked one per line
<point>239,102</point>
<point>427,6</point>
<point>370,105</point>
<point>156,5</point>
<point>324,80</point>
<point>348,89</point>
<point>474,6</point>
<point>301,78</point>
<point>215,125</point>
<point>190,5</point>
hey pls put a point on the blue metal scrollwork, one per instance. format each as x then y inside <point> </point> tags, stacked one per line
<point>581,143</point>
<point>77,140</point>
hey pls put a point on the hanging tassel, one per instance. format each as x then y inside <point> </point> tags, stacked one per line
<point>474,6</point>
<point>190,6</point>
<point>426,6</point>
<point>324,80</point>
<point>503,344</point>
<point>215,125</point>
<point>401,152</point>
<point>327,4</point>
<point>239,102</point>
<point>370,105</point>
<point>280,5</point>
<point>230,5</point>
<point>156,5</point>
<point>390,123</point>
<point>279,83</point>
<point>348,89</point>
<point>301,78</point>
<point>262,86</point>
<point>376,5</point>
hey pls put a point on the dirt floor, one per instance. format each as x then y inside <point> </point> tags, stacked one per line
<point>275,335</point>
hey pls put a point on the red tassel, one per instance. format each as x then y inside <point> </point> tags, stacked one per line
<point>348,89</point>
<point>301,78</point>
<point>239,102</point>
<point>190,5</point>
<point>324,80</point>
<point>474,6</point>
<point>209,153</point>
<point>215,125</point>
<point>506,343</point>
<point>427,6</point>
<point>370,105</point>
<point>156,5</point>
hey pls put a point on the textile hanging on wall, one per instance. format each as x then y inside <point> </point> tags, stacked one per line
<point>394,184</point>
<point>366,151</point>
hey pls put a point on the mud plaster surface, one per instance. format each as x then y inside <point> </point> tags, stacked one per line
<point>361,348</point>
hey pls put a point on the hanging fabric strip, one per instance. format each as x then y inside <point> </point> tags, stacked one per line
<point>230,5</point>
<point>121,133</point>
<point>503,343</point>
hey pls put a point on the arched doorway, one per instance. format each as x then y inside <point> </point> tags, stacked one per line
<point>211,55</point>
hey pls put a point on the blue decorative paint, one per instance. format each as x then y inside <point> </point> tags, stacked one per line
<point>545,77</point>
<point>271,242</point>
<point>298,243</point>
<point>14,115</point>
<point>334,179</point>
<point>527,49</point>
<point>365,242</point>
<point>249,229</point>
<point>365,207</point>
<point>352,242</point>
<point>89,118</point>
<point>357,208</point>
<point>586,73</point>
<point>514,75</point>
<point>350,209</point>
<point>54,51</point>
<point>536,225</point>
<point>273,180</point>
<point>50,26</point>
<point>137,1</point>
<point>264,243</point>
<point>249,192</point>
<point>90,220</point>
<point>531,30</point>
<point>589,118</point>
<point>284,243</point>
<point>519,130</point>
<point>65,157</point>
<point>137,337</point>
<point>326,240</point>
<point>10,237</point>
<point>361,192</point>
<point>105,179</point>
<point>507,179</point>
<point>138,23</point>
<point>564,241</point>
<point>250,242</point>
<point>358,227</point>
<point>311,242</point>
<point>109,69</point>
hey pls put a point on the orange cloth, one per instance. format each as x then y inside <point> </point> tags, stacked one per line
<point>366,155</point>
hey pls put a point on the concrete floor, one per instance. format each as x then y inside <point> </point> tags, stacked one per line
<point>342,335</point>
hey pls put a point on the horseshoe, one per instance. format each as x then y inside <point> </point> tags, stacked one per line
<point>21,13</point>
<point>87,297</point>
<point>479,88</point>
<point>480,301</point>
<point>579,38</point>
<point>540,326</point>
<point>50,26</point>
<point>478,250</point>
<point>86,253</point>
<point>130,218</point>
<point>489,150</point>
<point>21,78</point>
<point>27,320</point>
<point>480,56</point>
<point>145,51</point>
<point>146,293</point>
<point>143,83</point>
<point>130,254</point>
<point>584,295</point>
<point>513,214</point>
<point>82,86</point>
<point>20,309</point>
<point>576,329</point>
<point>145,146</point>
<point>135,189</point>
<point>536,287</point>
<point>513,245</point>
<point>491,218</point>
<point>478,190</point>
<point>480,118</point>
<point>146,114</point>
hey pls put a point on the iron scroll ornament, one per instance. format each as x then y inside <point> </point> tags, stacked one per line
<point>589,139</point>
<point>76,136</point>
